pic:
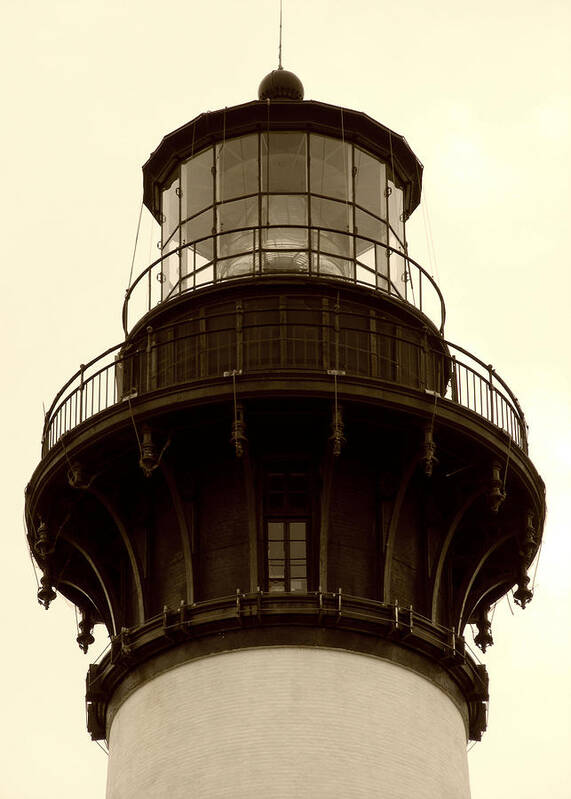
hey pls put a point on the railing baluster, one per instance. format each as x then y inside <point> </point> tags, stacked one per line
<point>360,337</point>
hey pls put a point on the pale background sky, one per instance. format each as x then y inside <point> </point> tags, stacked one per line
<point>482,94</point>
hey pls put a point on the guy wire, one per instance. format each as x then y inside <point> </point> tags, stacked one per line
<point>135,427</point>
<point>536,565</point>
<point>507,462</point>
<point>235,398</point>
<point>135,247</point>
<point>345,172</point>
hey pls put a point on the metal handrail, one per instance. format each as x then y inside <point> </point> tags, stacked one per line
<point>78,375</point>
<point>176,251</point>
<point>91,390</point>
<point>494,375</point>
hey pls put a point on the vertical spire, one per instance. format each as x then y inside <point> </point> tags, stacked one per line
<point>280,47</point>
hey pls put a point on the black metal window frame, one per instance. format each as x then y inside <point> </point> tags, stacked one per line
<point>287,528</point>
<point>287,561</point>
<point>176,232</point>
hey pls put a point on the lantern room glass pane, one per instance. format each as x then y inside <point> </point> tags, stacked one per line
<point>324,241</point>
<point>197,183</point>
<point>383,269</point>
<point>400,273</point>
<point>396,211</point>
<point>370,227</point>
<point>197,234</point>
<point>330,168</point>
<point>238,214</point>
<point>284,162</point>
<point>170,269</point>
<point>285,249</point>
<point>236,253</point>
<point>395,243</point>
<point>237,167</point>
<point>284,209</point>
<point>370,183</point>
<point>332,253</point>
<point>331,214</point>
<point>170,208</point>
<point>199,227</point>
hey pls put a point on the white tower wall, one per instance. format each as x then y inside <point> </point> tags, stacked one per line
<point>288,722</point>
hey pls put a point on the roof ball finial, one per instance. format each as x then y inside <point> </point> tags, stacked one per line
<point>280,84</point>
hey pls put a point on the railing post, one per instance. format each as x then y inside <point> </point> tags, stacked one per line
<point>283,330</point>
<point>522,425</point>
<point>45,435</point>
<point>202,343</point>
<point>325,333</point>
<point>239,336</point>
<point>397,353</point>
<point>373,345</point>
<point>423,366</point>
<point>151,360</point>
<point>491,377</point>
<point>337,329</point>
<point>454,379</point>
<point>81,385</point>
<point>389,279</point>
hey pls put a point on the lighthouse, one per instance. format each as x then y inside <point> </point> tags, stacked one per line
<point>285,493</point>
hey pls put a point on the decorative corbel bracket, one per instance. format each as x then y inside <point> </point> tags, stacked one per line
<point>523,595</point>
<point>528,541</point>
<point>149,459</point>
<point>429,450</point>
<point>46,593</point>
<point>85,637</point>
<point>484,637</point>
<point>337,436</point>
<point>43,544</point>
<point>496,493</point>
<point>238,437</point>
<point>76,477</point>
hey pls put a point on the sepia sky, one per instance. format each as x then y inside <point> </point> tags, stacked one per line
<point>482,94</point>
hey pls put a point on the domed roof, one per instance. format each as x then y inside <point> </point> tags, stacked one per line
<point>280,84</point>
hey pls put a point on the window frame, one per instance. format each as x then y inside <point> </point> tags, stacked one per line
<point>295,507</point>
<point>288,560</point>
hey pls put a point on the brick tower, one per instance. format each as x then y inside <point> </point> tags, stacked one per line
<point>285,493</point>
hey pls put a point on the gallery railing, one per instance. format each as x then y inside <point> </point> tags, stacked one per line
<point>353,344</point>
<point>285,249</point>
